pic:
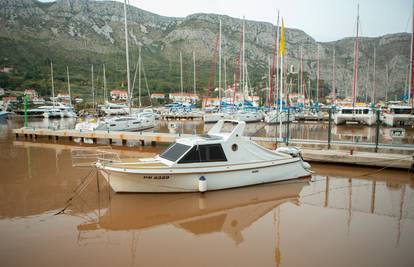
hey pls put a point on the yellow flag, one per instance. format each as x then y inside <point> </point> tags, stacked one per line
<point>282,40</point>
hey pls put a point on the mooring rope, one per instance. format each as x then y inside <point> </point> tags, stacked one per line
<point>81,186</point>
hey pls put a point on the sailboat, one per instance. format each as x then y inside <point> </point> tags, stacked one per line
<point>247,113</point>
<point>361,114</point>
<point>130,122</point>
<point>217,160</point>
<point>214,116</point>
<point>403,114</point>
<point>52,111</point>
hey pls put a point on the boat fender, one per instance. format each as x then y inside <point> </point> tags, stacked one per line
<point>202,184</point>
<point>292,151</point>
<point>306,165</point>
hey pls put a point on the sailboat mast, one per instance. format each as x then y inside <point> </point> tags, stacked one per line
<point>333,78</point>
<point>274,60</point>
<point>386,83</point>
<point>194,77</point>
<point>356,63</point>
<point>139,76</point>
<point>268,96</point>
<point>301,78</point>
<point>104,81</point>
<point>70,95</point>
<point>282,53</point>
<point>181,75</point>
<point>127,57</point>
<point>411,89</point>
<point>53,86</point>
<point>317,78</point>
<point>93,89</point>
<point>367,83</point>
<point>225,75</point>
<point>243,65</point>
<point>374,90</point>
<point>219,87</point>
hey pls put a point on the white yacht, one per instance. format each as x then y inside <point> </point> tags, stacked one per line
<point>112,109</point>
<point>398,115</point>
<point>217,160</point>
<point>248,116</point>
<point>358,114</point>
<point>213,117</point>
<point>120,123</point>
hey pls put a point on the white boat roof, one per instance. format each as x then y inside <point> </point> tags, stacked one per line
<point>400,107</point>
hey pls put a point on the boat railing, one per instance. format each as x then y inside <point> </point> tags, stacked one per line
<point>88,157</point>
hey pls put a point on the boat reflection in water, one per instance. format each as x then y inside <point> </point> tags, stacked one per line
<point>228,211</point>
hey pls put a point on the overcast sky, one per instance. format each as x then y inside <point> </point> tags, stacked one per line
<point>324,20</point>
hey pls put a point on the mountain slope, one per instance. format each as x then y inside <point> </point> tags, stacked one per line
<point>79,33</point>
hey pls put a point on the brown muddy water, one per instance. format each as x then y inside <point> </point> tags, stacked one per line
<point>341,216</point>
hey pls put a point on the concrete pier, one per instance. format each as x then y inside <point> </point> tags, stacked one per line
<point>394,156</point>
<point>146,138</point>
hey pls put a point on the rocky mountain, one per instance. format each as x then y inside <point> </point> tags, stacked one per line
<point>79,33</point>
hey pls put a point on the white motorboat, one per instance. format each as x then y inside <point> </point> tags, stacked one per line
<point>309,115</point>
<point>59,110</point>
<point>112,109</point>
<point>274,117</point>
<point>358,114</point>
<point>53,113</point>
<point>213,117</point>
<point>122,123</point>
<point>248,116</point>
<point>217,160</point>
<point>398,115</point>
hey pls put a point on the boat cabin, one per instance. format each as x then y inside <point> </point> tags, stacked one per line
<point>221,146</point>
<point>356,110</point>
<point>400,110</point>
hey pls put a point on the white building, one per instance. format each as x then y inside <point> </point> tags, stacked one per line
<point>158,96</point>
<point>119,95</point>
<point>185,97</point>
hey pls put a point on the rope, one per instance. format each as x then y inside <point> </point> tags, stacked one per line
<point>81,186</point>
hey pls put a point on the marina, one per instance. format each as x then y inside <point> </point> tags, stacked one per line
<point>129,138</point>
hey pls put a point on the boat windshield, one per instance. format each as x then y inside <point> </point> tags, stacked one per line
<point>401,110</point>
<point>174,152</point>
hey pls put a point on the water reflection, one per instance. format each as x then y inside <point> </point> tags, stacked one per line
<point>228,211</point>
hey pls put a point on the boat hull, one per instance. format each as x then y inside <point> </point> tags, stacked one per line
<point>368,119</point>
<point>392,120</point>
<point>123,180</point>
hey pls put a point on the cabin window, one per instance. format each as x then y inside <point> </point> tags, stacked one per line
<point>204,153</point>
<point>174,152</point>
<point>346,111</point>
<point>401,111</point>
